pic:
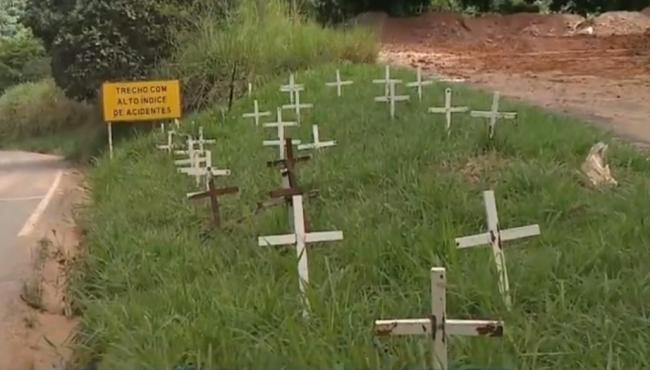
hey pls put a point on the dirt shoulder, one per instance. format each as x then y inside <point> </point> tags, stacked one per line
<point>39,325</point>
<point>598,69</point>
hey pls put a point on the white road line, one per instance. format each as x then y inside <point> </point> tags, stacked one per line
<point>20,199</point>
<point>38,212</point>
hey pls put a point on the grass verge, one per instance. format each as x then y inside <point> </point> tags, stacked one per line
<point>158,289</point>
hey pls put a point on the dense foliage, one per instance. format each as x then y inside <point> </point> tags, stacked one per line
<point>22,57</point>
<point>91,41</point>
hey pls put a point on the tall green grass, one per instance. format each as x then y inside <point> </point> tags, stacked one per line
<point>159,289</point>
<point>255,41</point>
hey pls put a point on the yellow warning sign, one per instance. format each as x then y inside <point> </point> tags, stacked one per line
<point>141,101</point>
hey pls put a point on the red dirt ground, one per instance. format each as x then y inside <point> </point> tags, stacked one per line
<point>548,60</point>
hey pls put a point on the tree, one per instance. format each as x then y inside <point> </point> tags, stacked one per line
<point>92,41</point>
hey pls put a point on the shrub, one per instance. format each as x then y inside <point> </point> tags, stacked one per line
<point>91,41</point>
<point>38,109</point>
<point>22,59</point>
<point>257,40</point>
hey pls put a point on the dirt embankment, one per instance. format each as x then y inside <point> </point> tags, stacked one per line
<point>598,68</point>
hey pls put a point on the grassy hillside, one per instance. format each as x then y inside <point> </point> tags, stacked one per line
<point>160,290</point>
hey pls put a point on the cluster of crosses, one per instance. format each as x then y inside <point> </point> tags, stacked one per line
<point>437,326</point>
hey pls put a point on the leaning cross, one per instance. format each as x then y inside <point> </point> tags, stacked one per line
<point>419,83</point>
<point>292,87</point>
<point>339,84</point>
<point>386,81</point>
<point>300,238</point>
<point>495,237</point>
<point>494,114</point>
<point>448,109</point>
<point>392,98</point>
<point>256,115</point>
<point>213,193</point>
<point>438,327</point>
<point>280,124</point>
<point>317,144</point>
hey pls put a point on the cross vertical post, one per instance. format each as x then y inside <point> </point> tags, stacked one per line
<point>339,83</point>
<point>438,327</point>
<point>448,109</point>
<point>300,238</point>
<point>317,144</point>
<point>280,124</point>
<point>213,193</point>
<point>495,238</point>
<point>419,83</point>
<point>392,98</point>
<point>256,115</point>
<point>494,114</point>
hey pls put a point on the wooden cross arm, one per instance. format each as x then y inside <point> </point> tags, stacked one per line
<point>216,192</point>
<point>289,239</point>
<point>485,239</point>
<point>283,162</point>
<point>474,328</point>
<point>485,114</point>
<point>282,198</point>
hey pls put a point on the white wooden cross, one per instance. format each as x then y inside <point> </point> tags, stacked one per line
<point>339,84</point>
<point>300,238</point>
<point>317,144</point>
<point>386,81</point>
<point>448,109</point>
<point>392,98</point>
<point>495,237</point>
<point>438,327</point>
<point>419,83</point>
<point>297,106</point>
<point>199,171</point>
<point>170,142</point>
<point>280,124</point>
<point>494,114</point>
<point>250,89</point>
<point>256,115</point>
<point>292,87</point>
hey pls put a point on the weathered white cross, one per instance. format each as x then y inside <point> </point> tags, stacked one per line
<point>392,98</point>
<point>339,84</point>
<point>199,171</point>
<point>280,124</point>
<point>297,106</point>
<point>250,89</point>
<point>438,327</point>
<point>256,115</point>
<point>292,87</point>
<point>317,144</point>
<point>169,147</point>
<point>494,114</point>
<point>448,109</point>
<point>386,81</point>
<point>300,238</point>
<point>495,237</point>
<point>419,83</point>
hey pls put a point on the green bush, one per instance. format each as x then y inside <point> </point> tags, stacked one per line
<point>92,41</point>
<point>257,40</point>
<point>37,109</point>
<point>22,59</point>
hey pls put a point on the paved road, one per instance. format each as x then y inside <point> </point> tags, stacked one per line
<point>27,182</point>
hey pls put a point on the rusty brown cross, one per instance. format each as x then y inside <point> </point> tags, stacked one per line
<point>288,165</point>
<point>214,193</point>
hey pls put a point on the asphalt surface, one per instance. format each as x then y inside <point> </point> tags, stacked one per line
<point>27,182</point>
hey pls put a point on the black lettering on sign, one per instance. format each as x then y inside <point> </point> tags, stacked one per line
<point>136,101</point>
<point>121,101</point>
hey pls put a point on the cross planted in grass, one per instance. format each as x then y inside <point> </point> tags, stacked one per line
<point>392,98</point>
<point>256,115</point>
<point>300,238</point>
<point>297,107</point>
<point>419,83</point>
<point>199,171</point>
<point>495,237</point>
<point>169,147</point>
<point>339,84</point>
<point>213,193</point>
<point>494,114</point>
<point>317,144</point>
<point>386,81</point>
<point>438,327</point>
<point>291,88</point>
<point>448,109</point>
<point>280,124</point>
